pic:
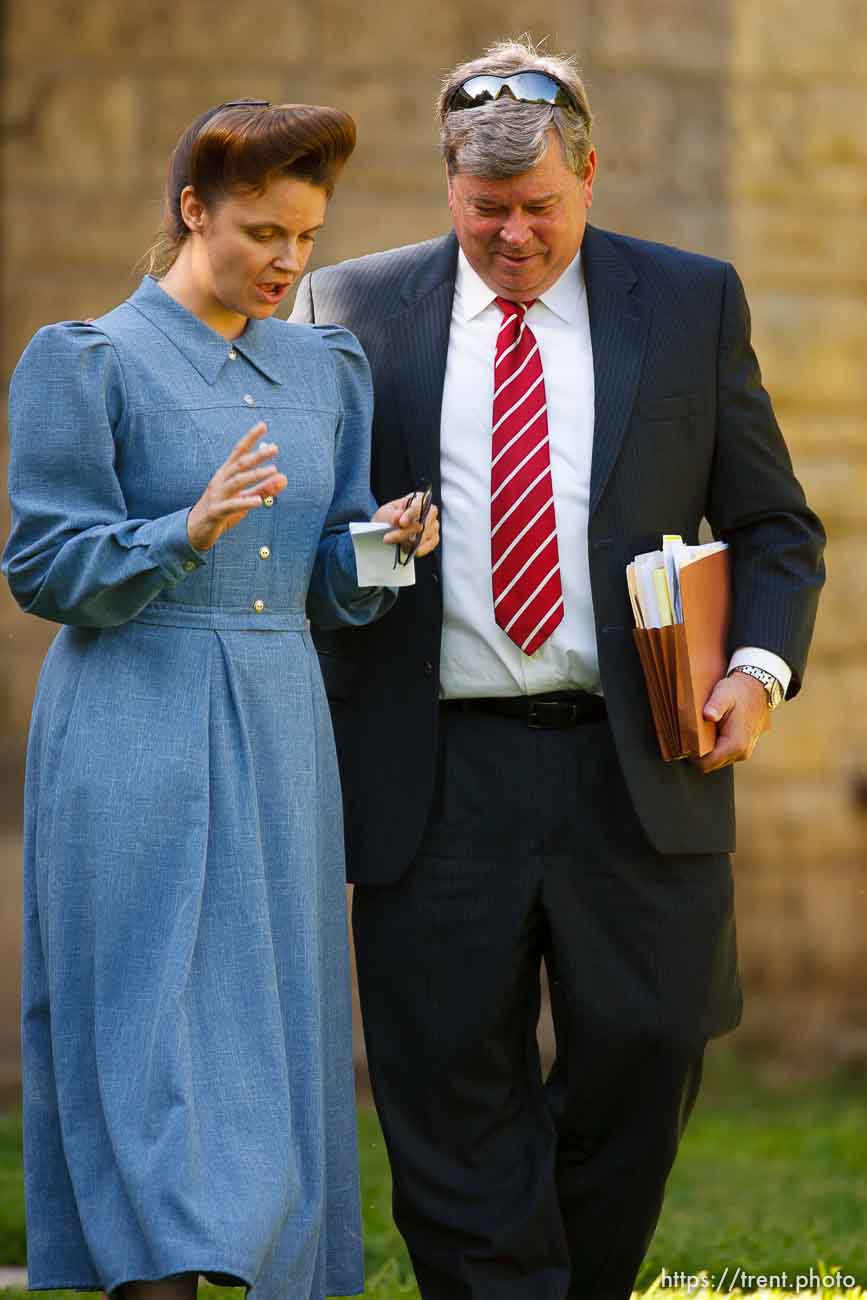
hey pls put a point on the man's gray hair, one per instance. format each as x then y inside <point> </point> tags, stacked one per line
<point>506,137</point>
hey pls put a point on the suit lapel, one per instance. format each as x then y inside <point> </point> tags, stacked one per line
<point>619,323</point>
<point>419,339</point>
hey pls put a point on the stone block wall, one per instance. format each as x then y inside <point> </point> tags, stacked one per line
<point>797,189</point>
<point>726,126</point>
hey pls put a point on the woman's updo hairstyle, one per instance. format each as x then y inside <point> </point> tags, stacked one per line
<point>238,148</point>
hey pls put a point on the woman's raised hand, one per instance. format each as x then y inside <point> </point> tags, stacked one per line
<point>244,478</point>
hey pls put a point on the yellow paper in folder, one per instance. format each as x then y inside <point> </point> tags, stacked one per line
<point>663,598</point>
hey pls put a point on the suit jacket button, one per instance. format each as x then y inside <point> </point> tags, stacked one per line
<point>428,668</point>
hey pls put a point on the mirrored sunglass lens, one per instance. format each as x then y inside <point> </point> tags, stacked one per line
<point>537,86</point>
<point>480,90</point>
<point>530,87</point>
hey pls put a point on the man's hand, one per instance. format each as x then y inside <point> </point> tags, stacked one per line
<point>739,704</point>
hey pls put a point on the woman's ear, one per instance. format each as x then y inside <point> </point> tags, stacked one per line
<point>192,210</point>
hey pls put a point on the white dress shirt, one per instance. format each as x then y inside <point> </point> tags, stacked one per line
<point>477,658</point>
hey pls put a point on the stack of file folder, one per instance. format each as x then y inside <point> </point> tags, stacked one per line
<point>681,600</point>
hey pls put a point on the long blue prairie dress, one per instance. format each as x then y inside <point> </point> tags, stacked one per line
<point>188,1096</point>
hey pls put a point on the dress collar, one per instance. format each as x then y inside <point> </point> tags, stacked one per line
<point>563,298</point>
<point>204,348</point>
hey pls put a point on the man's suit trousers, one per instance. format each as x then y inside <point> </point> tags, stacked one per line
<point>508,1186</point>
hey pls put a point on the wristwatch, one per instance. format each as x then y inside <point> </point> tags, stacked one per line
<point>768,680</point>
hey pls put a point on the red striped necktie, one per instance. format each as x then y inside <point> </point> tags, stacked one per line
<point>528,594</point>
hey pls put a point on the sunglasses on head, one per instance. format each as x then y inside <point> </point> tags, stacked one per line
<point>522,87</point>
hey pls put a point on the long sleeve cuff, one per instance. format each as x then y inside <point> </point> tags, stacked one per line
<point>764,659</point>
<point>169,546</point>
<point>335,597</point>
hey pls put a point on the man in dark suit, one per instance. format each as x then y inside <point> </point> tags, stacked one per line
<point>571,394</point>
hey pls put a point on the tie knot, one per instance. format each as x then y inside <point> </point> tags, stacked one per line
<point>506,306</point>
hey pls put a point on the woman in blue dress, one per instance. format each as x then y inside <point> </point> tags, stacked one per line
<point>188,1101</point>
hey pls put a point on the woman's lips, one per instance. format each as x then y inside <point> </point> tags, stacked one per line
<point>272,291</point>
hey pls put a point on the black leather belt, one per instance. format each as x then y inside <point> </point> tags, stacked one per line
<point>544,712</point>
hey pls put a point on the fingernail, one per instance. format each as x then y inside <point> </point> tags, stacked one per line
<point>713,714</point>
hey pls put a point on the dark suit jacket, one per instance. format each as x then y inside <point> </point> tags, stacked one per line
<point>683,429</point>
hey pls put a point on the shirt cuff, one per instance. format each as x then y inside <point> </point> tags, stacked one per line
<point>764,659</point>
<point>169,546</point>
<point>359,605</point>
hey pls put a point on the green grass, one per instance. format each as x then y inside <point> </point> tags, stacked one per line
<point>11,1204</point>
<point>770,1179</point>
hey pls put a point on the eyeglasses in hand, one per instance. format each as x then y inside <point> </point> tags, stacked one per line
<point>404,553</point>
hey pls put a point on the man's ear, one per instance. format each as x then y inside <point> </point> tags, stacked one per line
<point>588,178</point>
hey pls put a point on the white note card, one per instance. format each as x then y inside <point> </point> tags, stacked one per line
<point>374,562</point>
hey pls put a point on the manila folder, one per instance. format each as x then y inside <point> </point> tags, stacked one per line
<point>705,590</point>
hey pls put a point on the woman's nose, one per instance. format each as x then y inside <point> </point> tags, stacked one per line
<point>287,259</point>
